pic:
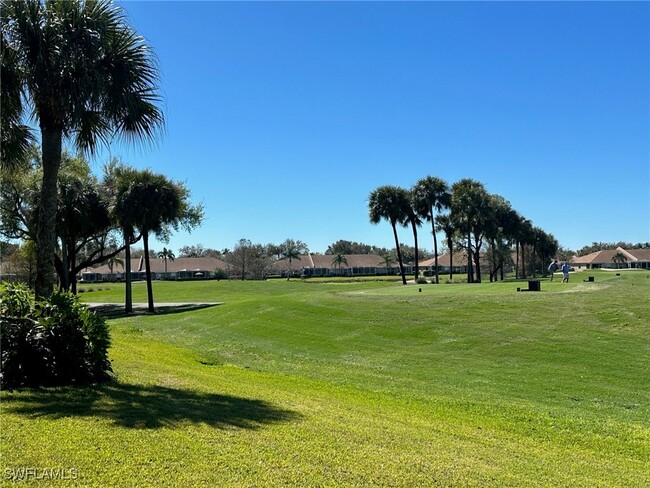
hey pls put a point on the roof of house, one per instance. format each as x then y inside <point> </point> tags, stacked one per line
<point>460,259</point>
<point>158,265</point>
<point>327,261</point>
<point>607,256</point>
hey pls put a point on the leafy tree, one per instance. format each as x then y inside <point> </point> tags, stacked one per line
<point>166,254</point>
<point>83,221</point>
<point>82,214</point>
<point>431,196</point>
<point>248,260</point>
<point>390,203</point>
<point>198,251</point>
<point>350,247</point>
<point>85,75</point>
<point>274,250</point>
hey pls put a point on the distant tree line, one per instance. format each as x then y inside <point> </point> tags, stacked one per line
<point>602,246</point>
<point>473,220</point>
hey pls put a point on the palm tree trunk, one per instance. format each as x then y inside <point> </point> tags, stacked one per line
<point>147,268</point>
<point>435,246</point>
<point>399,254</point>
<point>128,298</point>
<point>65,273</point>
<point>417,254</point>
<point>46,230</point>
<point>451,264</point>
<point>470,271</point>
<point>289,270</point>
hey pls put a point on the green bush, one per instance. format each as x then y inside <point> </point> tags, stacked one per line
<point>221,274</point>
<point>57,341</point>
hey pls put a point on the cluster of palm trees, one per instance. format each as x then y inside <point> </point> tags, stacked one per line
<point>469,216</point>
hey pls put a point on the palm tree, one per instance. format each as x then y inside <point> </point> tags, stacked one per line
<point>85,75</point>
<point>389,203</point>
<point>431,195</point>
<point>15,137</point>
<point>388,261</point>
<point>114,260</point>
<point>158,203</point>
<point>120,179</point>
<point>338,260</point>
<point>291,250</point>
<point>166,254</point>
<point>619,259</point>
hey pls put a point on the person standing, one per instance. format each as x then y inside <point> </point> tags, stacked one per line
<point>552,268</point>
<point>565,273</point>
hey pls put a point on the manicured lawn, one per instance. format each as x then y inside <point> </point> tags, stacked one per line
<point>367,383</point>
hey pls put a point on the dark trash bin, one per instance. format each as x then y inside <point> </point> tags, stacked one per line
<point>534,285</point>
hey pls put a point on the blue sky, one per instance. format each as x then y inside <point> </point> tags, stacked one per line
<point>283,117</point>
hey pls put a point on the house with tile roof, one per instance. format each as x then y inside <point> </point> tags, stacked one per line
<point>178,269</point>
<point>459,265</point>
<point>323,265</point>
<point>632,258</point>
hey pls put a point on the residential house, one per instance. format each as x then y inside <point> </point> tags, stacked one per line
<point>632,258</point>
<point>315,265</point>
<point>178,269</point>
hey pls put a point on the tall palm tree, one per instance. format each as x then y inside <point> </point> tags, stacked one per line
<point>338,260</point>
<point>85,75</point>
<point>158,204</point>
<point>390,203</point>
<point>166,254</point>
<point>431,195</point>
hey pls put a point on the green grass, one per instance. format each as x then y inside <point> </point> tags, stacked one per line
<point>316,383</point>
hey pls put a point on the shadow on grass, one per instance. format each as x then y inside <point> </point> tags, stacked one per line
<point>146,407</point>
<point>116,310</point>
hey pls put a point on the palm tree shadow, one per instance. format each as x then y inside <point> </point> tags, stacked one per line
<point>116,310</point>
<point>147,407</point>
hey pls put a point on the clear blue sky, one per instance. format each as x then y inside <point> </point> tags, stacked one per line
<point>283,117</point>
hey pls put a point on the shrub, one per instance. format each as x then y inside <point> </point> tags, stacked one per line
<point>221,274</point>
<point>422,281</point>
<point>57,341</point>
